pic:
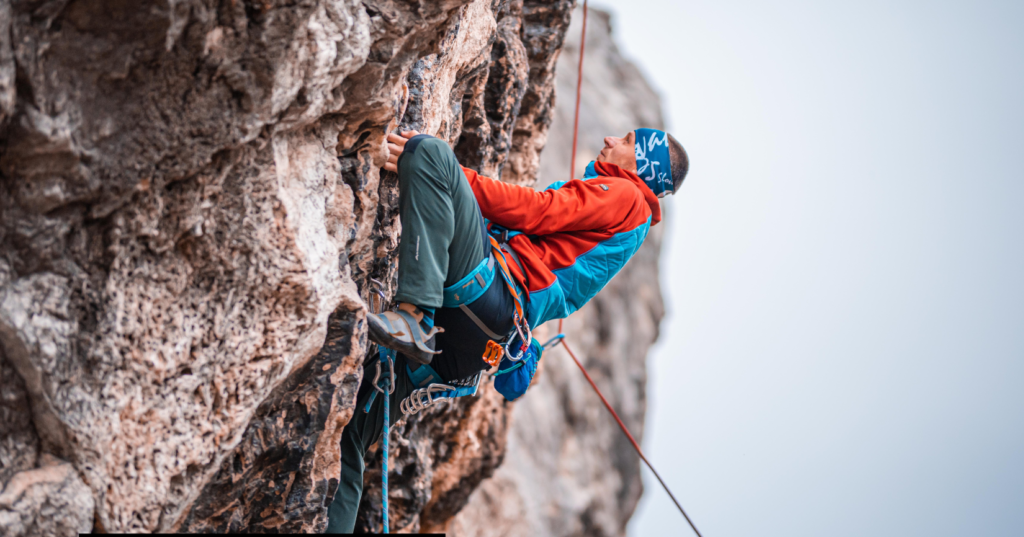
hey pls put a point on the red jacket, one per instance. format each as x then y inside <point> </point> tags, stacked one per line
<point>575,234</point>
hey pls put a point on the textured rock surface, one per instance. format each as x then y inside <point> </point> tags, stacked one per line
<point>568,469</point>
<point>49,500</point>
<point>190,210</point>
<point>42,495</point>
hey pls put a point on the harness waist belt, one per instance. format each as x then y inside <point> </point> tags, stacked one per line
<point>423,375</point>
<point>471,287</point>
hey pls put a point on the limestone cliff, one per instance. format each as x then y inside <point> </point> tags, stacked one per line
<point>191,208</point>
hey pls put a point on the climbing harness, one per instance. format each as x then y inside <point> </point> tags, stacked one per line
<point>476,283</point>
<point>560,338</point>
<point>430,390</point>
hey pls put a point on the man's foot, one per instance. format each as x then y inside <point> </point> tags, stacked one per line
<point>402,331</point>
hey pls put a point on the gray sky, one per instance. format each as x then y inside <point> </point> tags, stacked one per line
<point>844,353</point>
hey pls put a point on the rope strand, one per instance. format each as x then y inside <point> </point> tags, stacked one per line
<point>625,430</point>
<point>556,341</point>
<point>387,432</point>
<point>579,86</point>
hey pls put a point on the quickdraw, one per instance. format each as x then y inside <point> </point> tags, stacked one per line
<point>436,393</point>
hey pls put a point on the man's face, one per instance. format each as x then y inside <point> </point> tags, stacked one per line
<point>620,151</point>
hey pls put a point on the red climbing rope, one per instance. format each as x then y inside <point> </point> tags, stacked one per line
<point>622,426</point>
<point>572,174</point>
<point>579,85</point>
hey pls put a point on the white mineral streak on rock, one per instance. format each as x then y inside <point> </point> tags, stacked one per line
<point>35,332</point>
<point>476,28</point>
<point>7,89</point>
<point>568,469</point>
<point>49,500</point>
<point>332,44</point>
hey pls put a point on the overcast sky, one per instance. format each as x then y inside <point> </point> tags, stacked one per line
<point>844,353</point>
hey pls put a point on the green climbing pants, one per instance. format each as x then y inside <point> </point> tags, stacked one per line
<point>436,206</point>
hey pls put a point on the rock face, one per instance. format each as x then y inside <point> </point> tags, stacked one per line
<point>191,206</point>
<point>191,210</point>
<point>568,469</point>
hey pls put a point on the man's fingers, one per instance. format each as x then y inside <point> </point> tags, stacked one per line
<point>396,145</point>
<point>392,163</point>
<point>397,140</point>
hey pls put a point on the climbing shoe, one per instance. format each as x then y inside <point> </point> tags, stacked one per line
<point>402,331</point>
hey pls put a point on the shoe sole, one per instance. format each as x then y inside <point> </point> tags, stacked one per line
<point>379,334</point>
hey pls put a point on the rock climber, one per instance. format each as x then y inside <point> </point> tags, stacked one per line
<point>560,245</point>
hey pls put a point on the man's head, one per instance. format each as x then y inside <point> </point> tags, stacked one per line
<point>636,152</point>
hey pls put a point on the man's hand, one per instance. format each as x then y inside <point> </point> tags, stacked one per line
<point>396,144</point>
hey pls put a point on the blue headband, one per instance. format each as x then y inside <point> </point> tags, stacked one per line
<point>653,164</point>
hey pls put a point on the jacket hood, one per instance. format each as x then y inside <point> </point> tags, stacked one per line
<point>608,169</point>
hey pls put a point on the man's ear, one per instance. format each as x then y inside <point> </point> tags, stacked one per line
<point>680,162</point>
